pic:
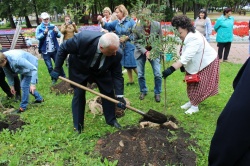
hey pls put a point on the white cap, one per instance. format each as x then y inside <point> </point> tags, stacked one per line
<point>44,15</point>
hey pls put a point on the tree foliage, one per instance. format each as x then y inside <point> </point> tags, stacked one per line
<point>24,8</point>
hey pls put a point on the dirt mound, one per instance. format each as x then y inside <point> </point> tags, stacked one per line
<point>147,146</point>
<point>11,122</point>
<point>65,88</point>
<point>62,88</point>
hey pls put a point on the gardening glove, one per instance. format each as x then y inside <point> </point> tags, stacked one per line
<point>122,103</point>
<point>168,72</point>
<point>182,69</point>
<point>54,75</point>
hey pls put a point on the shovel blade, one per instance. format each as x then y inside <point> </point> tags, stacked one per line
<point>154,116</point>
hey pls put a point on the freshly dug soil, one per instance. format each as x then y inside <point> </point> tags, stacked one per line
<point>136,146</point>
<point>147,146</point>
<point>62,88</point>
<point>65,88</point>
<point>11,122</point>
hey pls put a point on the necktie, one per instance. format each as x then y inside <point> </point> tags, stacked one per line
<point>97,62</point>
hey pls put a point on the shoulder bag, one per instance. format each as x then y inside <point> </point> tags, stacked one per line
<point>194,78</point>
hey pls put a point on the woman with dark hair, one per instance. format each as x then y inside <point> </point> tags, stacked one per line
<point>224,28</point>
<point>203,24</point>
<point>197,57</point>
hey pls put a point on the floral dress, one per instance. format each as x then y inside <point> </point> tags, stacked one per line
<point>124,27</point>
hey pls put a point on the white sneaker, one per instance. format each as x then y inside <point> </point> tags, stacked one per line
<point>192,109</point>
<point>186,106</point>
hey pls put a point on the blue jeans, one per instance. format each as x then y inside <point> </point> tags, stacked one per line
<point>47,59</point>
<point>156,66</point>
<point>25,87</point>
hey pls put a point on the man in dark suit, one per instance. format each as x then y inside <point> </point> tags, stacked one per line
<point>230,145</point>
<point>94,58</point>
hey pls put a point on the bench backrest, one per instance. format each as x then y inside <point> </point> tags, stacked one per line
<point>6,40</point>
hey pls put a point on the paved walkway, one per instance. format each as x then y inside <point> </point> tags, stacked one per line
<point>238,52</point>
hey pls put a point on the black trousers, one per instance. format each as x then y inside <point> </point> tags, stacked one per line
<point>78,107</point>
<point>5,87</point>
<point>223,46</point>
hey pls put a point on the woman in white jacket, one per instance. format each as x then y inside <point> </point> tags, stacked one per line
<point>197,56</point>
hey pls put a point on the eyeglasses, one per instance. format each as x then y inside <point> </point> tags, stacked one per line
<point>45,19</point>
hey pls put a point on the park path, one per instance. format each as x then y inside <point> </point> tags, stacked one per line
<point>238,52</point>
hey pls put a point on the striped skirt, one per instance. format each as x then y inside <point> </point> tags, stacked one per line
<point>207,86</point>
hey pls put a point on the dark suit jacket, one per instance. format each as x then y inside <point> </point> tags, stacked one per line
<point>230,145</point>
<point>82,48</point>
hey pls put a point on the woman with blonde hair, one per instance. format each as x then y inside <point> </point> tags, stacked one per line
<point>107,13</point>
<point>123,28</point>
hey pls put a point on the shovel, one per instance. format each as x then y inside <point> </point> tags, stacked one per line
<point>152,115</point>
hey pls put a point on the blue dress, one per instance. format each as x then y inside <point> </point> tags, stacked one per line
<point>124,28</point>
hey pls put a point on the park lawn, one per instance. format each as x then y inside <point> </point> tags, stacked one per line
<point>49,139</point>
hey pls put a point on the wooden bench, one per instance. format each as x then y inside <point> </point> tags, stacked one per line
<point>6,40</point>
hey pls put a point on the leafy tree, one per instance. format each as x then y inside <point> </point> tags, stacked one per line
<point>161,44</point>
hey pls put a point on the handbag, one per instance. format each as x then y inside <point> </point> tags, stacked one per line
<point>194,78</point>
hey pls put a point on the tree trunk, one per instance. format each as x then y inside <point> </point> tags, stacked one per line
<point>12,24</point>
<point>27,20</point>
<point>35,9</point>
<point>112,6</point>
<point>125,3</point>
<point>197,8</point>
<point>184,8</point>
<point>55,15</point>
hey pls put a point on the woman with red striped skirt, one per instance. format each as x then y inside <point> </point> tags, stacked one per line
<point>197,57</point>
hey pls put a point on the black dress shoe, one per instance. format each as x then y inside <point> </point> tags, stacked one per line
<point>157,98</point>
<point>142,96</point>
<point>116,125</point>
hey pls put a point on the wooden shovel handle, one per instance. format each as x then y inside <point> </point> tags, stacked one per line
<point>101,95</point>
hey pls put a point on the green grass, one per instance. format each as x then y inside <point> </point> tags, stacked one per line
<point>49,138</point>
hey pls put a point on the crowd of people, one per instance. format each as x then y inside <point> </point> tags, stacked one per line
<point>196,55</point>
<point>101,56</point>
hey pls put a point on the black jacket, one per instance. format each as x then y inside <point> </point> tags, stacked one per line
<point>230,145</point>
<point>82,48</point>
